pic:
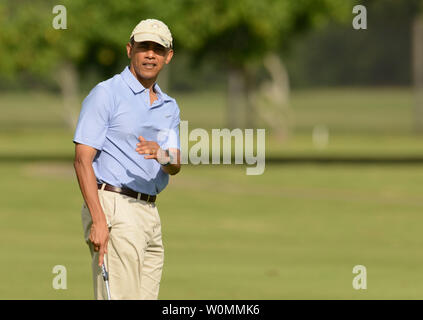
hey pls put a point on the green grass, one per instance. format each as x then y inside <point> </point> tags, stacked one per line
<point>355,110</point>
<point>361,122</point>
<point>295,232</point>
<point>343,110</point>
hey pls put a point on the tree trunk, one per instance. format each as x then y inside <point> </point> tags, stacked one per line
<point>67,78</point>
<point>236,98</point>
<point>418,72</point>
<point>250,88</point>
<point>271,98</point>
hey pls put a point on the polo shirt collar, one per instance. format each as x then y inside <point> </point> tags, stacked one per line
<point>131,81</point>
<point>157,89</point>
<point>137,87</point>
<point>160,93</point>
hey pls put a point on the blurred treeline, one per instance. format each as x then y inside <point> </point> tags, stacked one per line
<point>254,50</point>
<point>340,55</point>
<point>334,54</point>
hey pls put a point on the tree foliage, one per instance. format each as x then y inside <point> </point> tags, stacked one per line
<point>96,33</point>
<point>237,32</point>
<point>241,32</point>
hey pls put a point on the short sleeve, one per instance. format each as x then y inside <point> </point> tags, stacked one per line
<point>94,119</point>
<point>173,140</point>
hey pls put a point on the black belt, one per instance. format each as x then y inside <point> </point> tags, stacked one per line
<point>129,193</point>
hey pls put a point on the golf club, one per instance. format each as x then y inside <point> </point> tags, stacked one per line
<point>106,280</point>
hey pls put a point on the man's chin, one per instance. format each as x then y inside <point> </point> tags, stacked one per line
<point>148,75</point>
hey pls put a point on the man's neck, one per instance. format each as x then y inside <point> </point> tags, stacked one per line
<point>146,83</point>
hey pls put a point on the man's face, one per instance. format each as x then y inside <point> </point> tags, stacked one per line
<point>148,58</point>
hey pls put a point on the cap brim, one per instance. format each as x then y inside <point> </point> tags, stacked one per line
<point>141,37</point>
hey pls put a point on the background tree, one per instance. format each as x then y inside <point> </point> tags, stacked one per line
<point>237,34</point>
<point>96,34</point>
<point>417,58</point>
<point>241,34</point>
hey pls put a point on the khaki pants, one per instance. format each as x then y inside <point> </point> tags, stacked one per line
<point>135,250</point>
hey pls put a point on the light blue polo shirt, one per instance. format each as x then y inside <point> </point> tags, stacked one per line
<point>114,114</point>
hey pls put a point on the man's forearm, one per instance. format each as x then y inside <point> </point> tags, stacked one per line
<point>88,185</point>
<point>171,169</point>
<point>171,159</point>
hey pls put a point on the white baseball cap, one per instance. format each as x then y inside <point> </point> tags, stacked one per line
<point>153,30</point>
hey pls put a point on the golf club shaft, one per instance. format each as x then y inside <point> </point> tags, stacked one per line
<point>106,280</point>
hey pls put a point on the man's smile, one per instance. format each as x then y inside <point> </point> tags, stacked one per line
<point>149,65</point>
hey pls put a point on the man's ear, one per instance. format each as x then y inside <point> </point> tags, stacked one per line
<point>128,50</point>
<point>169,56</point>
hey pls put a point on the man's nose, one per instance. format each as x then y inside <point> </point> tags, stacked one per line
<point>150,53</point>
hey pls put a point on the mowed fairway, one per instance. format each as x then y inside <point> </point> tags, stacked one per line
<point>295,232</point>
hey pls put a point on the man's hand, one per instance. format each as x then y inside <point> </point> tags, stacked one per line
<point>152,150</point>
<point>99,236</point>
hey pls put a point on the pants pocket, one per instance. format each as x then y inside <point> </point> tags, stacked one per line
<point>108,203</point>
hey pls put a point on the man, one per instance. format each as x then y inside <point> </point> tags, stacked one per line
<point>126,146</point>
